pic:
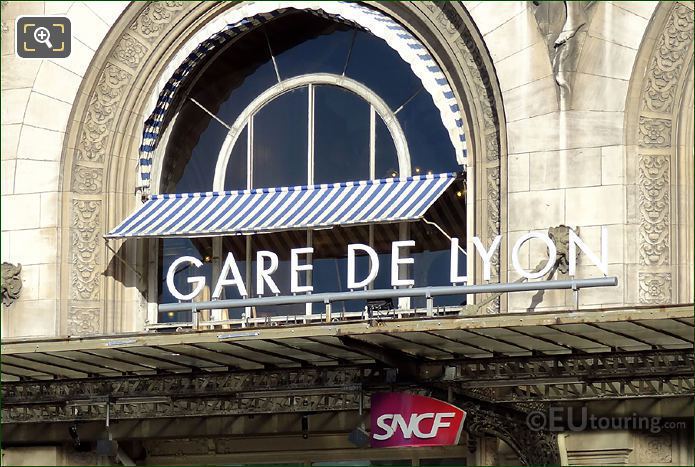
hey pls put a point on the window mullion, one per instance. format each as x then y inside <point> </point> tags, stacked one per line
<point>372,142</point>
<point>249,153</point>
<point>310,176</point>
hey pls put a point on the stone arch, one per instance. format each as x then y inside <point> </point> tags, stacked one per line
<point>104,287</point>
<point>658,167</point>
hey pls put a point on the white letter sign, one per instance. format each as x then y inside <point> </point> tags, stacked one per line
<point>373,265</point>
<point>575,242</point>
<point>263,274</point>
<point>486,255</point>
<point>295,268</point>
<point>198,280</point>
<point>552,255</point>
<point>396,261</point>
<point>229,265</point>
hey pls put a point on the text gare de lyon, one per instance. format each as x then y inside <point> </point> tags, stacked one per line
<point>267,263</point>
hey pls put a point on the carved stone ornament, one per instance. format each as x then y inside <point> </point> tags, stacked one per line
<point>84,321</point>
<point>561,24</point>
<point>654,132</point>
<point>655,287</point>
<point>86,248</point>
<point>94,146</point>
<point>101,112</point>
<point>654,209</point>
<point>656,448</point>
<point>669,58</point>
<point>130,51</point>
<point>88,180</point>
<point>155,18</point>
<point>452,22</point>
<point>11,283</point>
<point>655,137</point>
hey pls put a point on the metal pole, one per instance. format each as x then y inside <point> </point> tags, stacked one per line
<point>395,293</point>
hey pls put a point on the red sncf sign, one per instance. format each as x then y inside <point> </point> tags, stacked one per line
<point>401,419</point>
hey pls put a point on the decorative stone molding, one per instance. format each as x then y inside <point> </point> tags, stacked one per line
<point>654,132</point>
<point>86,249</point>
<point>180,447</point>
<point>655,165</point>
<point>84,321</point>
<point>656,449</point>
<point>101,113</point>
<point>88,180</point>
<point>654,205</point>
<point>493,227</point>
<point>155,18</point>
<point>655,287</point>
<point>100,122</point>
<point>130,51</point>
<point>11,283</point>
<point>487,157</point>
<point>667,63</point>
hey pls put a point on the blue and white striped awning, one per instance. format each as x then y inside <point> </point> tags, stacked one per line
<point>289,208</point>
<point>247,16</point>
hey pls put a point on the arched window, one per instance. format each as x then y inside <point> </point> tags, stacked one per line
<point>305,99</point>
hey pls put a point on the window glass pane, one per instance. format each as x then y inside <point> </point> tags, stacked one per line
<point>171,249</point>
<point>375,64</point>
<point>386,158</point>
<point>235,178</point>
<point>428,140</point>
<point>191,153</point>
<point>236,77</point>
<point>305,43</point>
<point>280,141</point>
<point>341,136</point>
<point>279,243</point>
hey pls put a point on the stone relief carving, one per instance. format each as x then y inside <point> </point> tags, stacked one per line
<point>94,147</point>
<point>154,18</point>
<point>561,24</point>
<point>5,28</point>
<point>654,132</point>
<point>87,180</point>
<point>86,247</point>
<point>101,112</point>
<point>656,449</point>
<point>84,321</point>
<point>130,51</point>
<point>672,52</point>
<point>655,287</point>
<point>11,283</point>
<point>451,22</point>
<point>493,227</point>
<point>654,209</point>
<point>667,63</point>
<point>179,447</point>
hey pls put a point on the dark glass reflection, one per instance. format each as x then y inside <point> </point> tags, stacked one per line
<point>341,136</point>
<point>280,141</point>
<point>189,162</point>
<point>386,163</point>
<point>309,44</point>
<point>374,63</point>
<point>236,175</point>
<point>428,140</point>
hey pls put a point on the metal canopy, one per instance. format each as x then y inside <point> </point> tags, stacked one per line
<point>507,359</point>
<point>429,340</point>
